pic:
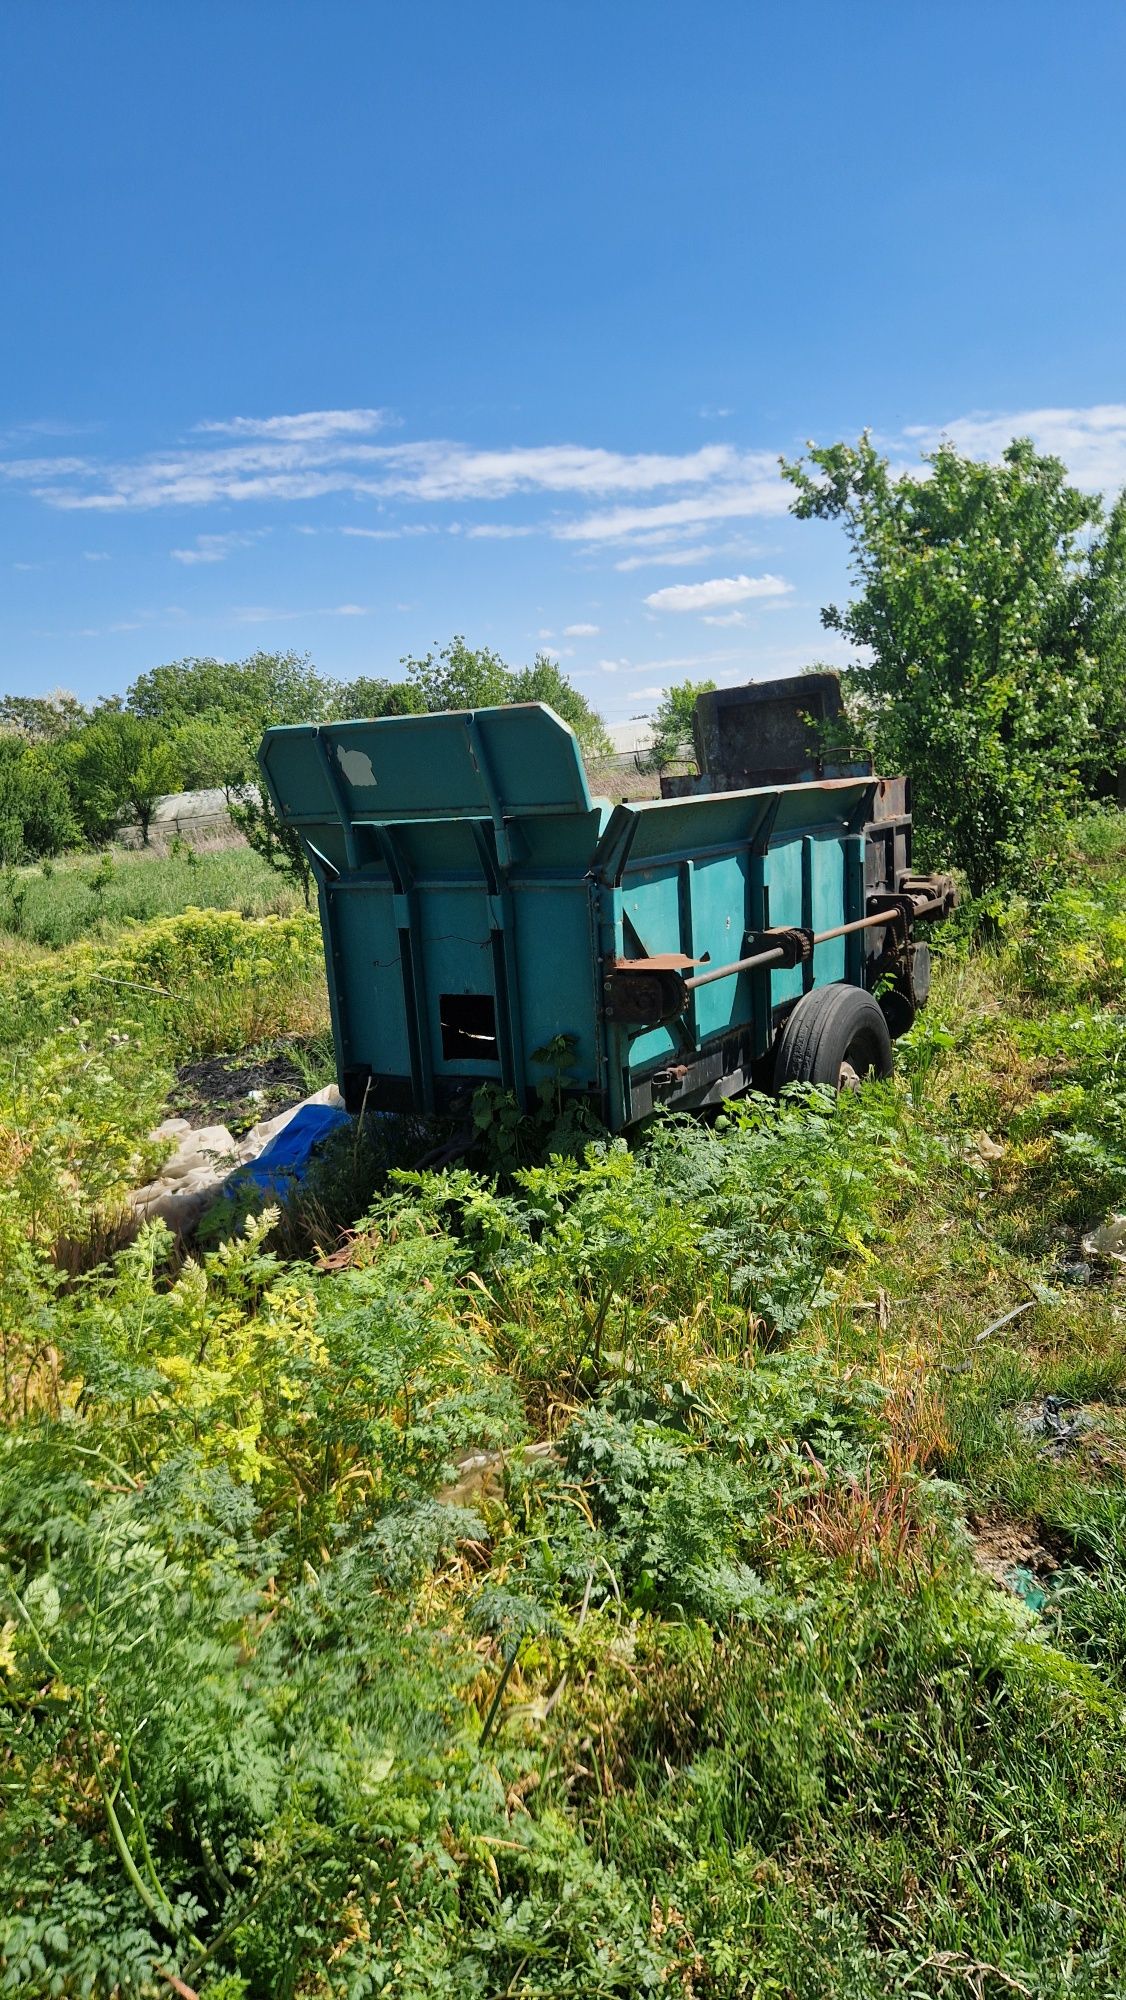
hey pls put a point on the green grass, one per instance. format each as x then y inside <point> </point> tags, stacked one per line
<point>579,1589</point>
<point>92,896</point>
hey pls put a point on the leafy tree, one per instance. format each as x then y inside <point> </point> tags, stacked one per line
<point>672,724</point>
<point>36,809</point>
<point>1105,621</point>
<point>977,675</point>
<point>458,677</point>
<point>47,718</point>
<point>255,692</point>
<point>372,696</point>
<point>545,681</point>
<point>215,752</point>
<point>121,764</point>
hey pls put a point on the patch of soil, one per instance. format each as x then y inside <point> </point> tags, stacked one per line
<point>235,1091</point>
<point>1015,1558</point>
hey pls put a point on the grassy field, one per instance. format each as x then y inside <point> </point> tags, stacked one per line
<point>93,895</point>
<point>696,1567</point>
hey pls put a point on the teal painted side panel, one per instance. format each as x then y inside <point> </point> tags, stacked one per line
<point>829,901</point>
<point>365,946</point>
<point>558,978</point>
<point>719,899</point>
<point>455,933</point>
<point>784,904</point>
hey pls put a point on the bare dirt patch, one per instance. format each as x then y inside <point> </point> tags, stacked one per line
<point>237,1091</point>
<point>1014,1557</point>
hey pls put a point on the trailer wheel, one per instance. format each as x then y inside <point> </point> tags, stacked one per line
<point>836,1036</point>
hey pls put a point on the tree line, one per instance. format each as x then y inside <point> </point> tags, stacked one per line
<point>71,775</point>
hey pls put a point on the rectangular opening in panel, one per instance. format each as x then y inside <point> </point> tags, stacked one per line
<point>469,1027</point>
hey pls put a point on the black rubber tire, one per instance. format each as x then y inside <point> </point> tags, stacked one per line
<point>831,1027</point>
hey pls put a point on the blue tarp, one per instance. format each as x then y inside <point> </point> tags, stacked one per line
<point>286,1158</point>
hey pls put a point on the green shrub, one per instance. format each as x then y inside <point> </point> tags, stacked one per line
<point>36,809</point>
<point>197,981</point>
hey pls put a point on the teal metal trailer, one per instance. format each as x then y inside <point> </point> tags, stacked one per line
<point>478,904</point>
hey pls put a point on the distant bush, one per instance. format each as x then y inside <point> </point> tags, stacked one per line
<point>36,810</point>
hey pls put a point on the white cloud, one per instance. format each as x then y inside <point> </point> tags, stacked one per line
<point>1091,441</point>
<point>714,661</point>
<point>310,427</point>
<point>667,509</point>
<point>216,548</point>
<point>724,499</point>
<point>725,618</point>
<point>392,534</point>
<point>579,631</point>
<point>269,614</point>
<point>45,468</point>
<point>96,555</point>
<point>327,452</point>
<point>700,552</point>
<point>717,591</point>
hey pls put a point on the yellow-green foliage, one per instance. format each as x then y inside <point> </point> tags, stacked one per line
<point>189,982</point>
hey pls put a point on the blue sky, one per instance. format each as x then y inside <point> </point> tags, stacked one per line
<point>347,327</point>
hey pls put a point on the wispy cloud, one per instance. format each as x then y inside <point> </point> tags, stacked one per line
<point>715,661</point>
<point>722,499</point>
<point>216,548</point>
<point>579,631</point>
<point>716,592</point>
<point>269,614</point>
<point>46,468</point>
<point>501,531</point>
<point>334,452</point>
<point>312,426</point>
<point>698,552</point>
